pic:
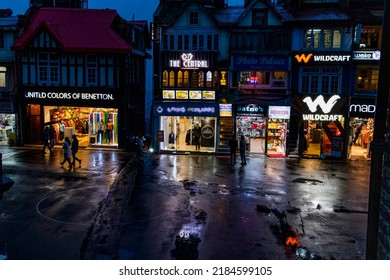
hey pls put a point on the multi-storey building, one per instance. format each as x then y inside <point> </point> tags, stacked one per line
<point>8,108</point>
<point>259,78</point>
<point>83,72</point>
<point>190,74</point>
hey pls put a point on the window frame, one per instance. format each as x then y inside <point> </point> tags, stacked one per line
<point>193,18</point>
<point>3,77</point>
<point>256,21</point>
<point>49,68</point>
<point>313,79</point>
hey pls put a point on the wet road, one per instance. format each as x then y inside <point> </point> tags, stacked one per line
<point>199,207</point>
<point>48,211</point>
<point>183,207</point>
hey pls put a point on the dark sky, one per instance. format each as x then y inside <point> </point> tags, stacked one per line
<point>141,9</point>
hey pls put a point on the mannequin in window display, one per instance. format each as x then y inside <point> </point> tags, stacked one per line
<point>109,131</point>
<point>171,140</point>
<point>101,128</point>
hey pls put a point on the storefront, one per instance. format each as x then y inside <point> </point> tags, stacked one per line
<point>361,126</point>
<point>323,125</point>
<point>175,123</point>
<point>92,116</point>
<point>251,121</point>
<point>7,124</point>
<point>278,121</point>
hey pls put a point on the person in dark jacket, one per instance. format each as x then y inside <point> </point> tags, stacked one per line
<point>46,140</point>
<point>75,149</point>
<point>233,144</point>
<point>197,132</point>
<point>242,150</point>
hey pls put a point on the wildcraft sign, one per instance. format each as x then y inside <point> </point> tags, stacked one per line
<point>321,109</point>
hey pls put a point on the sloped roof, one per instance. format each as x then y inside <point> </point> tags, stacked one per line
<point>80,30</point>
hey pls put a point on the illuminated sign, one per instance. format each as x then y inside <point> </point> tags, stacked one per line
<point>251,109</point>
<point>306,58</point>
<point>367,55</point>
<point>326,108</point>
<point>187,61</point>
<point>362,108</point>
<point>279,112</point>
<point>192,94</point>
<point>68,95</point>
<point>225,110</point>
<point>185,109</point>
<point>319,101</point>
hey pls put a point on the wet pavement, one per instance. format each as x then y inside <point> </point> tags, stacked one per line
<point>183,207</point>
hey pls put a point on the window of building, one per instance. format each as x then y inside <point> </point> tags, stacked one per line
<point>200,79</point>
<point>209,79</point>
<point>201,42</point>
<point>172,79</point>
<point>91,69</point>
<point>186,42</point>
<point>194,42</point>
<point>2,45</point>
<point>194,18</point>
<point>369,37</point>
<point>165,79</point>
<point>320,80</point>
<point>48,68</point>
<point>367,79</point>
<point>3,75</point>
<point>180,79</point>
<point>186,81</point>
<point>259,17</point>
<point>216,41</point>
<point>180,42</point>
<point>165,41</point>
<point>171,42</point>
<point>209,41</point>
<point>322,38</point>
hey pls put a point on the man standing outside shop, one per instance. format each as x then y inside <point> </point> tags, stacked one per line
<point>233,144</point>
<point>197,132</point>
<point>242,150</point>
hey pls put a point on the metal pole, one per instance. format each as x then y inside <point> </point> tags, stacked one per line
<point>378,145</point>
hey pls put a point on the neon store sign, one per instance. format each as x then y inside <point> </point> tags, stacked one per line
<point>188,61</point>
<point>326,107</point>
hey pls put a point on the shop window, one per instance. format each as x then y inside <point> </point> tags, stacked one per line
<point>322,38</point>
<point>367,79</point>
<point>3,75</point>
<point>320,80</point>
<point>165,79</point>
<point>48,68</point>
<point>254,79</point>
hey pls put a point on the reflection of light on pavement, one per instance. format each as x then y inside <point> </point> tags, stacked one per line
<point>191,230</point>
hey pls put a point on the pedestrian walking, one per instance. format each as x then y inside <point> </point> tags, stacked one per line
<point>46,140</point>
<point>233,150</point>
<point>75,148</point>
<point>196,132</point>
<point>53,133</point>
<point>242,150</point>
<point>67,152</point>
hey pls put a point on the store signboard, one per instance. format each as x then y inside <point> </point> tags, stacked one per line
<point>322,108</point>
<point>362,107</point>
<point>279,112</point>
<point>311,57</point>
<point>57,95</point>
<point>187,61</point>
<point>185,109</point>
<point>367,55</point>
<point>250,110</point>
<point>260,62</point>
<point>189,94</point>
<point>225,110</point>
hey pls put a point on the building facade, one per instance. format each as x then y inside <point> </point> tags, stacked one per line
<point>8,107</point>
<point>80,71</point>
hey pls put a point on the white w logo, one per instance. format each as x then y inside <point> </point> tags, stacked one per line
<point>326,107</point>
